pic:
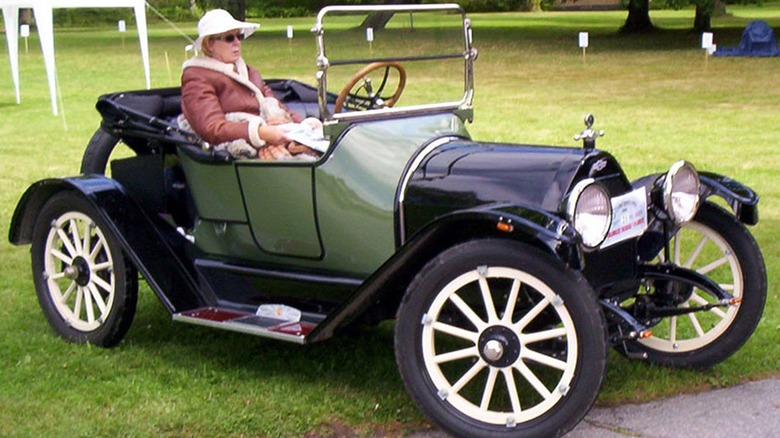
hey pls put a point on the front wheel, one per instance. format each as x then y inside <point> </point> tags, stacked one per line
<point>86,287</point>
<point>715,244</point>
<point>498,338</point>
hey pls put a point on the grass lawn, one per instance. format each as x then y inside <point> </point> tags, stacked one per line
<point>656,96</point>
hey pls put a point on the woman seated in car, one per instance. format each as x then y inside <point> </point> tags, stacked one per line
<point>226,102</point>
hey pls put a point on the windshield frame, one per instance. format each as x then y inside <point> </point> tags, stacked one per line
<point>469,55</point>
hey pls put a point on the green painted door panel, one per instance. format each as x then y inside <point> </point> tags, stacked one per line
<point>214,189</point>
<point>279,202</point>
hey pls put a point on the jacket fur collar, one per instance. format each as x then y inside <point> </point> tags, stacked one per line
<point>239,72</point>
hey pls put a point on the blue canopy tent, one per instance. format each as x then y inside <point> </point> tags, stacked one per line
<point>758,39</point>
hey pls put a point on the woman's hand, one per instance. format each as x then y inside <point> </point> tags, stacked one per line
<point>273,152</point>
<point>272,135</point>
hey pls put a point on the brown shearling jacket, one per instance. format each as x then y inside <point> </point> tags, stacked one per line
<point>211,89</point>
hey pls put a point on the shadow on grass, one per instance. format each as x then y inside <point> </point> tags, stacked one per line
<point>362,359</point>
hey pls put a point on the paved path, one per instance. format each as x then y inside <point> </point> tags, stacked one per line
<point>747,410</point>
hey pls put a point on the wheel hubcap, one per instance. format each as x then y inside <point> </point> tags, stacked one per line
<point>79,271</point>
<point>493,350</point>
<point>499,346</point>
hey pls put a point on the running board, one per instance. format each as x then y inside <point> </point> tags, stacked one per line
<point>248,323</point>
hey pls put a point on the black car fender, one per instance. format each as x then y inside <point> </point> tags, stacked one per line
<point>741,198</point>
<point>380,294</point>
<point>153,246</point>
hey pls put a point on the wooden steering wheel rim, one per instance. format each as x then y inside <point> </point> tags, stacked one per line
<point>365,71</point>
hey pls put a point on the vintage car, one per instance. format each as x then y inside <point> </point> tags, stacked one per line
<point>509,269</point>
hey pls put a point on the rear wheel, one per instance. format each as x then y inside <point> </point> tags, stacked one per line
<point>86,287</point>
<point>497,338</point>
<point>715,244</point>
<point>98,151</point>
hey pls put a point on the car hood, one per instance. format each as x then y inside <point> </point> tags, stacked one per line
<point>465,174</point>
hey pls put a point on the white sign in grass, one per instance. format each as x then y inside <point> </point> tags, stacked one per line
<point>584,40</point>
<point>706,40</point>
<point>24,31</point>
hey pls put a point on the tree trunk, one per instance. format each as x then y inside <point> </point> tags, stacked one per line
<point>25,16</point>
<point>378,20</point>
<point>237,9</point>
<point>719,10</point>
<point>638,19</point>
<point>703,20</point>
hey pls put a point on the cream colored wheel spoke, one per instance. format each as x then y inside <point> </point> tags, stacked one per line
<point>74,232</point>
<point>714,265</point>
<point>487,299</point>
<point>97,298</point>
<point>65,239</point>
<point>528,317</point>
<point>468,312</point>
<point>455,331</point>
<point>77,306</point>
<point>702,302</point>
<point>696,251</point>
<point>529,338</point>
<point>511,388</point>
<point>63,258</point>
<point>487,394</point>
<point>102,284</point>
<point>510,303</point>
<point>466,378</point>
<point>456,355</point>
<point>101,266</point>
<point>529,376</point>
<point>88,305</point>
<point>543,359</point>
<point>68,292</point>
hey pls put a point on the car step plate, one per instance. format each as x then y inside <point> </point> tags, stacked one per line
<point>291,331</point>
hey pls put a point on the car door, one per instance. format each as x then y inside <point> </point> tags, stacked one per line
<point>280,205</point>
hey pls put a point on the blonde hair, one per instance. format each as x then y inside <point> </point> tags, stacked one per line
<point>204,49</point>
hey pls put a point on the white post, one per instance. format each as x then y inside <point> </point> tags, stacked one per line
<point>45,23</point>
<point>24,31</point>
<point>583,43</point>
<point>11,20</point>
<point>140,23</point>
<point>122,26</point>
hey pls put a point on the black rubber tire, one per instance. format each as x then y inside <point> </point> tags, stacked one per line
<point>751,265</point>
<point>499,261</point>
<point>97,153</point>
<point>93,269</point>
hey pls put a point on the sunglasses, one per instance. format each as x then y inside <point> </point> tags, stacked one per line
<point>229,38</point>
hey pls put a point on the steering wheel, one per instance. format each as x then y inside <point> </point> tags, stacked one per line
<point>359,94</point>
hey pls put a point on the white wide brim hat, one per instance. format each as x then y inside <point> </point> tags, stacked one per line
<point>217,21</point>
